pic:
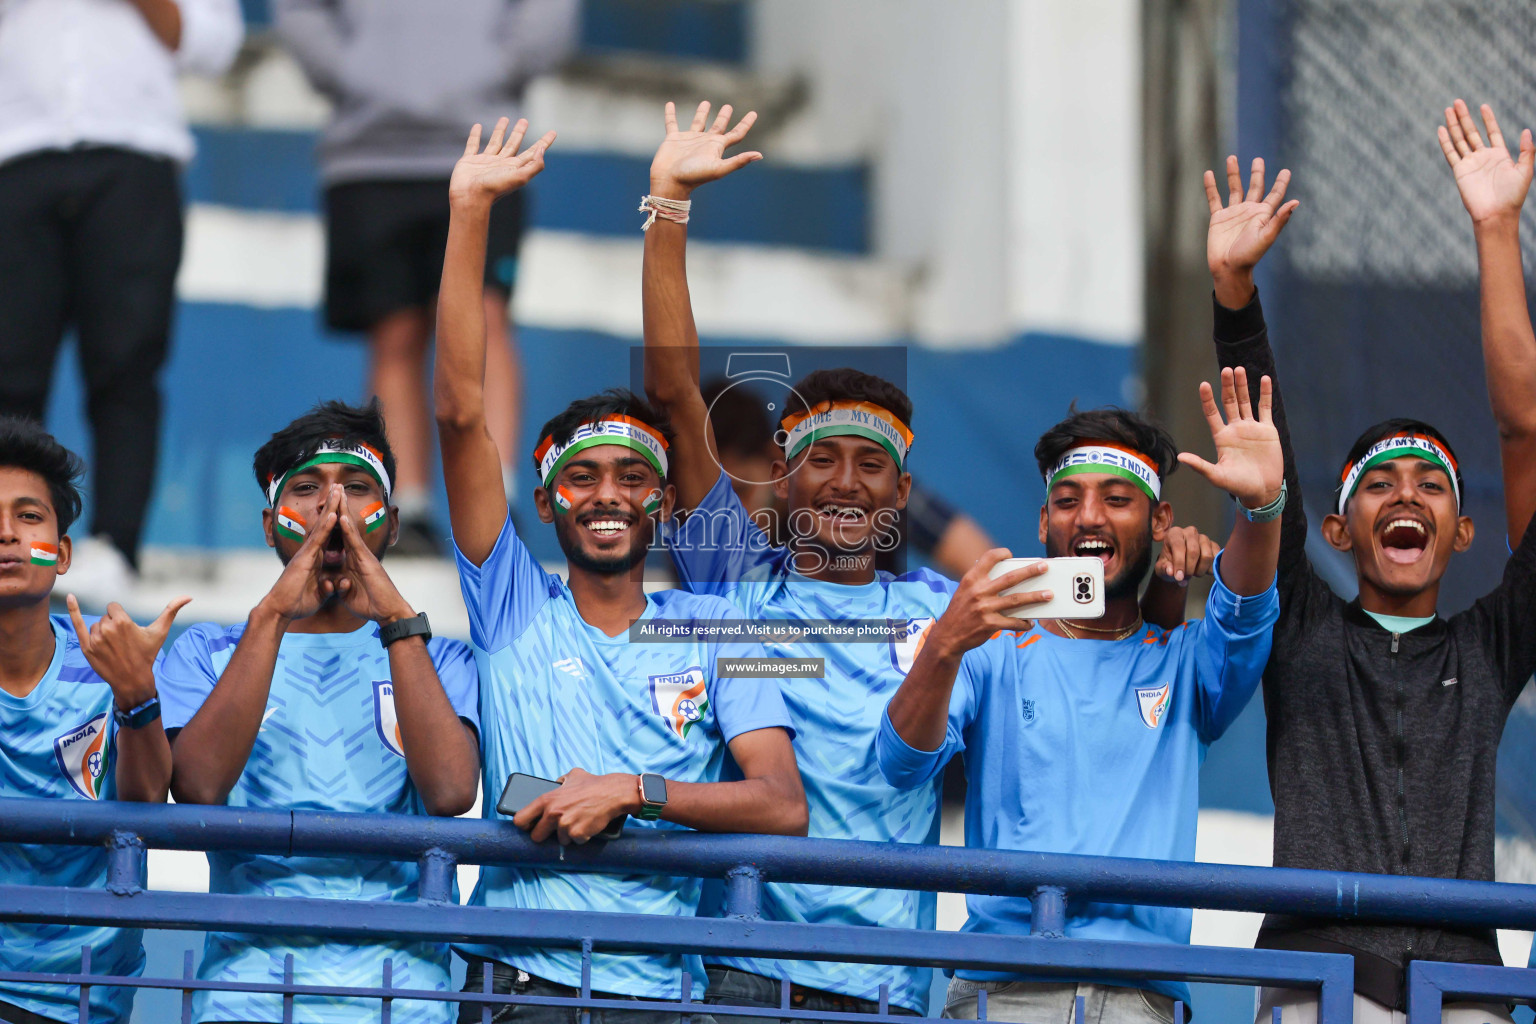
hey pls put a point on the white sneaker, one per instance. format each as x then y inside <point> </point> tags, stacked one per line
<point>98,575</point>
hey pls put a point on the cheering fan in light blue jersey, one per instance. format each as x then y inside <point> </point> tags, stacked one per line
<point>844,480</point>
<point>331,696</point>
<point>1087,736</point>
<point>79,720</point>
<point>631,728</point>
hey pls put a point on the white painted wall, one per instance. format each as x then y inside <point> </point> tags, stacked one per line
<point>1005,140</point>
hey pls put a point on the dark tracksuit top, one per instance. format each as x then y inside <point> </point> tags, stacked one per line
<point>1381,745</point>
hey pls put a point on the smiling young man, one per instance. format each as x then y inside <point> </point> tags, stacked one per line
<point>332,696</point>
<point>841,474</point>
<point>1384,719</point>
<point>1105,722</point>
<point>79,720</point>
<point>631,729</point>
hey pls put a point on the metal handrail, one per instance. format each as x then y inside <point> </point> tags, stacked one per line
<point>1433,902</point>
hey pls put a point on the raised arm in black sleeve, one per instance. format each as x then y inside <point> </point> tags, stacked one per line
<point>1242,339</point>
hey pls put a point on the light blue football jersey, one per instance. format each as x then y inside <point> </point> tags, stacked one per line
<point>718,550</point>
<point>329,741</point>
<point>558,694</point>
<point>1093,747</point>
<point>58,742</point>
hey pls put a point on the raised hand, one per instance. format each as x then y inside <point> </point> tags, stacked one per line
<point>1242,231</point>
<point>122,652</point>
<point>366,588</point>
<point>501,168</point>
<point>1249,463</point>
<point>1187,554</point>
<point>687,159</point>
<point>303,588</point>
<point>1491,183</point>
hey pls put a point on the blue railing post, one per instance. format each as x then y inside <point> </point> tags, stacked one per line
<point>586,980</point>
<point>1048,912</point>
<point>186,993</point>
<point>85,988</point>
<point>981,1004</point>
<point>288,989</point>
<point>387,1003</point>
<point>125,864</point>
<point>744,892</point>
<point>434,876</point>
<point>485,986</point>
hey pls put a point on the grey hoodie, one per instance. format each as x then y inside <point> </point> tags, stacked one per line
<point>409,77</point>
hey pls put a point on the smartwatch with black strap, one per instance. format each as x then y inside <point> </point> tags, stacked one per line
<point>416,625</point>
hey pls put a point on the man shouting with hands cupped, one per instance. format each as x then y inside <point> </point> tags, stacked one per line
<point>1105,721</point>
<point>331,696</point>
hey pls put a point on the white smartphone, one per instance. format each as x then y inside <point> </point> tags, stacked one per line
<point>1077,586</point>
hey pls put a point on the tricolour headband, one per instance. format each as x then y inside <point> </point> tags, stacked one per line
<point>855,419</point>
<point>1398,446</point>
<point>334,450</point>
<point>1105,457</point>
<point>615,429</point>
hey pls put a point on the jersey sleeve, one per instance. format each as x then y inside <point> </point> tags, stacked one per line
<point>906,767</point>
<point>1503,620</point>
<point>743,704</point>
<point>1231,646</point>
<point>185,675</point>
<point>717,543</point>
<point>505,593</point>
<point>457,671</point>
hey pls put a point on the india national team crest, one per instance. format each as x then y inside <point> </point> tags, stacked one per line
<point>680,698</point>
<point>907,639</point>
<point>82,756</point>
<point>1152,702</point>
<point>384,718</point>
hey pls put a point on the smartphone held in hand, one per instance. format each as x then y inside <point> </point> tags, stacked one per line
<point>1076,585</point>
<point>522,790</point>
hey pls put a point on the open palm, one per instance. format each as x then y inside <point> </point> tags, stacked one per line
<point>1489,180</point>
<point>1242,231</point>
<point>501,168</point>
<point>1249,462</point>
<point>690,158</point>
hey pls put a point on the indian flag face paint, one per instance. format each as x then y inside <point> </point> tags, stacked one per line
<point>374,516</point>
<point>652,502</point>
<point>1106,457</point>
<point>290,524</point>
<point>1399,446</point>
<point>44,554</point>
<point>563,499</point>
<point>855,419</point>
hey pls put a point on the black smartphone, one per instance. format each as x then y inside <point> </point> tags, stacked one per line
<point>522,790</point>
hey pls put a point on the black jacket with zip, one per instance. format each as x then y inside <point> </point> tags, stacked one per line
<point>1381,745</point>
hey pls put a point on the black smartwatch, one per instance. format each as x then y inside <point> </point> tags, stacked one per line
<point>137,717</point>
<point>653,795</point>
<point>416,625</point>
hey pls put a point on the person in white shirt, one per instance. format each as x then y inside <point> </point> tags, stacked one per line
<point>92,137</point>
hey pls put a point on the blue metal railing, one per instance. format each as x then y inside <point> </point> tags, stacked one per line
<point>744,863</point>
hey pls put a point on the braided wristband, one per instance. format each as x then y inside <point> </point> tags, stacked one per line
<point>674,210</point>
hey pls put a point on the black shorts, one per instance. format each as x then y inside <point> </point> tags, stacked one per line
<point>384,248</point>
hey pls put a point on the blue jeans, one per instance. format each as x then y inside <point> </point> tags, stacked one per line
<point>729,986</point>
<point>508,980</point>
